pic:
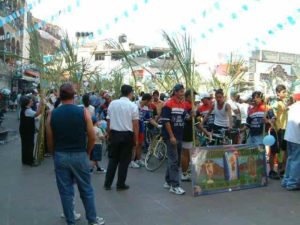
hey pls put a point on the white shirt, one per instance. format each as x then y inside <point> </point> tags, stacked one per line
<point>221,117</point>
<point>292,132</point>
<point>29,112</point>
<point>99,134</point>
<point>234,106</point>
<point>91,109</point>
<point>244,112</point>
<point>53,98</point>
<point>121,113</point>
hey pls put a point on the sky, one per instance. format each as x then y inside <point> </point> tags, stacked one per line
<point>218,27</point>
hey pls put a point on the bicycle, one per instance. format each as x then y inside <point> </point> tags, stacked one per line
<point>224,137</point>
<point>156,154</point>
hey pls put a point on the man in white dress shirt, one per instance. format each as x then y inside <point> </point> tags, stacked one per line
<point>123,130</point>
<point>291,179</point>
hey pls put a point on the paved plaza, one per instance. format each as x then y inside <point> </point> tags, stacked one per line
<point>29,196</point>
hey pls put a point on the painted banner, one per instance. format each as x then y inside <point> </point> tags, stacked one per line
<point>228,168</point>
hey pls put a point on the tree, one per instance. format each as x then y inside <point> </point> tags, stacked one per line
<point>234,77</point>
<point>61,67</point>
<point>79,70</point>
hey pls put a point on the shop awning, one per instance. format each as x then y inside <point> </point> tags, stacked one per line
<point>32,73</point>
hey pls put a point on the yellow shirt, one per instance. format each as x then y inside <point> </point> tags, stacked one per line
<point>280,111</point>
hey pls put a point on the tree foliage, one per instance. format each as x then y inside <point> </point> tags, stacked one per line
<point>234,77</point>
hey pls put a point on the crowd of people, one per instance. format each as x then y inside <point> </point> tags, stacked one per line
<point>78,127</point>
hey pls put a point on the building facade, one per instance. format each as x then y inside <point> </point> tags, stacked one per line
<point>146,61</point>
<point>13,48</point>
<point>270,68</point>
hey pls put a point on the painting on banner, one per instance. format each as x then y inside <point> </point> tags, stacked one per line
<point>227,168</point>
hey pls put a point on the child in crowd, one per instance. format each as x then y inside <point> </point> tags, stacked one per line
<point>96,154</point>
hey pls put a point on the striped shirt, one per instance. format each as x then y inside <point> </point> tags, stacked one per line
<point>173,112</point>
<point>255,118</point>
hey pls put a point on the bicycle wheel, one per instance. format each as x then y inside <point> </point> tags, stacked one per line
<point>148,137</point>
<point>154,159</point>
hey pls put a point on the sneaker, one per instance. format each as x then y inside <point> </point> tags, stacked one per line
<point>140,163</point>
<point>186,177</point>
<point>166,185</point>
<point>273,175</point>
<point>100,170</point>
<point>77,216</point>
<point>99,221</point>
<point>177,190</point>
<point>134,165</point>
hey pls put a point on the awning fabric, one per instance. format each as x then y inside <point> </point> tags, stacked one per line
<point>32,73</point>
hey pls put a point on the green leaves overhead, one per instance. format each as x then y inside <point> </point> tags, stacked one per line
<point>181,48</point>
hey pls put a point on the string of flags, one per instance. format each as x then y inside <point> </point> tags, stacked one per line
<point>19,12</point>
<point>101,31</point>
<point>288,21</point>
<point>216,6</point>
<point>137,53</point>
<point>234,15</point>
<point>36,26</point>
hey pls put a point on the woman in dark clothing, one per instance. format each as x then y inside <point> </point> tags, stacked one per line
<point>27,129</point>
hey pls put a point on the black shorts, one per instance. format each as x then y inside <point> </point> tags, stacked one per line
<point>280,143</point>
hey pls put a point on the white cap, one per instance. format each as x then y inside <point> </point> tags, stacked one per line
<point>197,98</point>
<point>204,95</point>
<point>245,97</point>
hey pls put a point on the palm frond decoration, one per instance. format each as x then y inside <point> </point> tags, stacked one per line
<point>233,78</point>
<point>181,48</point>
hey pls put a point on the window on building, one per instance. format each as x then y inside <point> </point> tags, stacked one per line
<point>154,54</point>
<point>116,56</point>
<point>99,56</point>
<point>251,76</point>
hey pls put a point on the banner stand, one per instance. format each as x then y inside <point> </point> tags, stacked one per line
<point>228,168</point>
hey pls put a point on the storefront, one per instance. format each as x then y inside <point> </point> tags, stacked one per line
<point>28,81</point>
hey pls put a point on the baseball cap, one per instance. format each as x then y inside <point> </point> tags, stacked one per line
<point>94,119</point>
<point>106,95</point>
<point>178,87</point>
<point>204,95</point>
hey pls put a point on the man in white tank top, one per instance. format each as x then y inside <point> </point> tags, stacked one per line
<point>222,110</point>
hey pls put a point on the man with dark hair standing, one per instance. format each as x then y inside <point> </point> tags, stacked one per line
<point>123,131</point>
<point>259,116</point>
<point>67,129</point>
<point>157,102</point>
<point>280,112</point>
<point>173,116</point>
